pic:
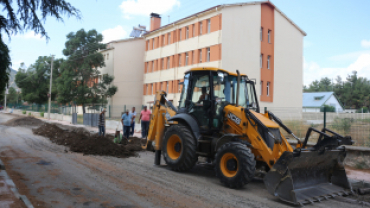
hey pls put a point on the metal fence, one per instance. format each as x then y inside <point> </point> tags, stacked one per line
<point>356,125</point>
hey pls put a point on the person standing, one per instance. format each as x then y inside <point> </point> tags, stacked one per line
<point>133,115</point>
<point>126,123</point>
<point>102,122</point>
<point>145,118</point>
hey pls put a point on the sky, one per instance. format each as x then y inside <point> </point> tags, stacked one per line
<point>337,41</point>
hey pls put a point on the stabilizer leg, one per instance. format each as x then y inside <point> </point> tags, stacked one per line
<point>157,159</point>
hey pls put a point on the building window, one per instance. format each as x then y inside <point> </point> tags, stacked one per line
<point>268,62</point>
<point>187,33</point>
<point>261,33</point>
<point>208,25</point>
<point>179,60</point>
<point>200,55</point>
<point>153,43</point>
<point>269,36</point>
<point>162,40</point>
<point>168,62</point>
<point>208,54</point>
<point>192,57</point>
<point>152,66</point>
<point>180,34</point>
<point>261,87</point>
<point>148,45</point>
<point>167,87</point>
<point>261,60</point>
<point>169,39</point>
<point>268,88</point>
<point>193,35</point>
<point>162,64</point>
<point>152,88</point>
<point>186,59</point>
<point>200,28</point>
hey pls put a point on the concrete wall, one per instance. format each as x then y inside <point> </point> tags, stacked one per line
<point>241,40</point>
<point>288,72</point>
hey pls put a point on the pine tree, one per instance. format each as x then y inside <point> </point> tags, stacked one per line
<point>79,80</point>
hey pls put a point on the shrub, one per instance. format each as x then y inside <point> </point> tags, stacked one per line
<point>29,114</point>
<point>24,112</point>
<point>362,110</point>
<point>42,114</point>
<point>343,124</point>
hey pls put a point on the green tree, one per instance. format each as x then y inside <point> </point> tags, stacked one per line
<point>325,85</point>
<point>11,98</point>
<point>79,71</point>
<point>27,15</point>
<point>35,81</point>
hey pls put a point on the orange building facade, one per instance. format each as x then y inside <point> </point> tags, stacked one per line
<point>233,36</point>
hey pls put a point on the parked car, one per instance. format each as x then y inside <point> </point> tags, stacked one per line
<point>1,107</point>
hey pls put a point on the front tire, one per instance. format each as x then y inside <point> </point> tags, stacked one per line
<point>234,165</point>
<point>179,148</point>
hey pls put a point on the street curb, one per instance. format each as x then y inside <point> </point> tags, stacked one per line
<point>12,186</point>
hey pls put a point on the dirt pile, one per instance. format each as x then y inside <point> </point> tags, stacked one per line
<point>24,121</point>
<point>79,140</point>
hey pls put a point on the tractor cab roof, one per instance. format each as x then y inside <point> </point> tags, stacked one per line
<point>213,69</point>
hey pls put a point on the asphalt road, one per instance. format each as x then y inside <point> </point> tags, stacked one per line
<point>51,176</point>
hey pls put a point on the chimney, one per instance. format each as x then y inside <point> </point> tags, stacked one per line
<point>155,21</point>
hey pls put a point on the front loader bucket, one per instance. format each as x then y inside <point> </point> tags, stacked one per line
<point>306,176</point>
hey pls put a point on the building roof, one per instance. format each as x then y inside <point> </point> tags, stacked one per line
<point>316,99</point>
<point>219,7</point>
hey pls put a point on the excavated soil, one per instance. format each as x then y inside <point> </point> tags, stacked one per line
<point>80,140</point>
<point>24,121</point>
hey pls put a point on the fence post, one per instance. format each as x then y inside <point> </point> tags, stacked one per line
<point>324,116</point>
<point>109,110</point>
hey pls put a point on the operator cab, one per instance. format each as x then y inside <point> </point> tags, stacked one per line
<point>206,91</point>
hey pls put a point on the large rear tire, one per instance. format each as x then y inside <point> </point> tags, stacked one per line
<point>179,148</point>
<point>234,165</point>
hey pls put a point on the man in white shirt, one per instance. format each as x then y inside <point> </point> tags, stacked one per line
<point>133,115</point>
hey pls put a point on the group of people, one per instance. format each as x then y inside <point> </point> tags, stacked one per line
<point>128,122</point>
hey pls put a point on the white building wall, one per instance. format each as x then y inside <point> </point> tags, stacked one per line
<point>241,40</point>
<point>311,110</point>
<point>288,68</point>
<point>332,101</point>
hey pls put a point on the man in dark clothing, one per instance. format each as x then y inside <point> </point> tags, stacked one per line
<point>102,122</point>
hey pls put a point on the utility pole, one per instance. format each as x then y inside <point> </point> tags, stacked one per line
<point>51,79</point>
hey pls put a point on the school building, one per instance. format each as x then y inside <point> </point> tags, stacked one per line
<point>255,37</point>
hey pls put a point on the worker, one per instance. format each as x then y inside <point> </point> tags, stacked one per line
<point>102,122</point>
<point>126,123</point>
<point>144,117</point>
<point>133,116</point>
<point>204,95</point>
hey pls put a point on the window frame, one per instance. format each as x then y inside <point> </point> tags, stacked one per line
<point>186,58</point>
<point>186,32</point>
<point>268,88</point>
<point>200,28</point>
<point>269,36</point>
<point>162,63</point>
<point>200,55</point>
<point>153,43</point>
<point>261,34</point>
<point>169,38</point>
<point>268,62</point>
<point>208,54</point>
<point>168,62</point>
<point>261,87</point>
<point>180,34</point>
<point>208,26</point>
<point>193,35</point>
<point>261,60</point>
<point>179,57</point>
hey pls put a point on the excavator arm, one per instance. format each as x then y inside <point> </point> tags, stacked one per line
<point>162,111</point>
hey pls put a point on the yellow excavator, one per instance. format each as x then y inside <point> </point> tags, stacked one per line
<point>219,118</point>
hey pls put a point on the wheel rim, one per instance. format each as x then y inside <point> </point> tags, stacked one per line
<point>229,165</point>
<point>174,147</point>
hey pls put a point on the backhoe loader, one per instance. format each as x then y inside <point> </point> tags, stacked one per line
<point>219,118</point>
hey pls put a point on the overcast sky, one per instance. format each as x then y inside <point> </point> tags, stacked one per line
<point>337,41</point>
